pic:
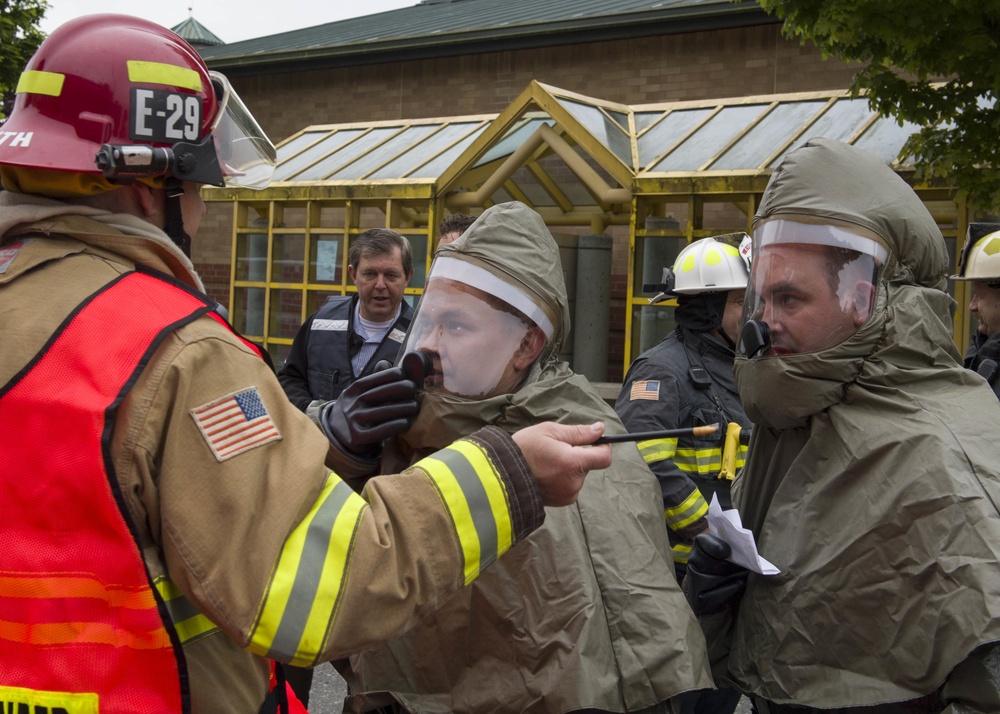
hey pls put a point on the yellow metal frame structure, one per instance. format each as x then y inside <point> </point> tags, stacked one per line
<point>656,176</point>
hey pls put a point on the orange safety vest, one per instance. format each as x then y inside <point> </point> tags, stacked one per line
<point>82,628</point>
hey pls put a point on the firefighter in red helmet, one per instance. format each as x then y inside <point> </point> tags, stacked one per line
<point>169,522</point>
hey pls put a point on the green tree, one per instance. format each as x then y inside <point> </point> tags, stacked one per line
<point>19,38</point>
<point>935,63</point>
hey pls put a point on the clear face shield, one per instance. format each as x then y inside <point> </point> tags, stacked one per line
<point>481,334</point>
<point>247,157</point>
<point>811,287</point>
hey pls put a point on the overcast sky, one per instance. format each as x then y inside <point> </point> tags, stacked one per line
<point>229,20</point>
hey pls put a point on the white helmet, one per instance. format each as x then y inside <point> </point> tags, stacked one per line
<point>714,264</point>
<point>980,259</point>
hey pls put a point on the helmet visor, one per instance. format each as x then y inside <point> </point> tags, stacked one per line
<point>476,329</point>
<point>247,157</point>
<point>811,286</point>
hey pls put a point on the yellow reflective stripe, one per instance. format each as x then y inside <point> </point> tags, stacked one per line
<point>470,487</point>
<point>680,552</point>
<point>171,75</point>
<point>493,486</point>
<point>302,598</point>
<point>21,699</point>
<point>741,456</point>
<point>33,81</point>
<point>188,621</point>
<point>690,510</point>
<point>703,462</point>
<point>655,450</point>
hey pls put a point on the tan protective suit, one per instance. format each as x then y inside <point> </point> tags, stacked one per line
<point>586,613</point>
<point>873,478</point>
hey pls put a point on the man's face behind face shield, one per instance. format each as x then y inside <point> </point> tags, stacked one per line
<point>478,348</point>
<point>809,288</point>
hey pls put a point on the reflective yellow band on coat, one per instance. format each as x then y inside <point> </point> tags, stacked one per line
<point>700,462</point>
<point>741,456</point>
<point>190,624</point>
<point>655,450</point>
<point>171,75</point>
<point>474,494</point>
<point>680,552</point>
<point>33,81</point>
<point>20,699</point>
<point>687,512</point>
<point>302,598</point>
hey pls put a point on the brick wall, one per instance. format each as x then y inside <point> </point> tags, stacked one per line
<point>211,250</point>
<point>721,63</point>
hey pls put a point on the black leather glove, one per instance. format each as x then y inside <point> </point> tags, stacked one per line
<point>370,410</point>
<point>713,583</point>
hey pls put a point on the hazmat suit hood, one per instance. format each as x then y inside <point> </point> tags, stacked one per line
<point>868,482</point>
<point>828,182</point>
<point>585,613</point>
<point>512,241</point>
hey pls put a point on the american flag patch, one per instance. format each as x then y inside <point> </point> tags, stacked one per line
<point>235,423</point>
<point>645,390</point>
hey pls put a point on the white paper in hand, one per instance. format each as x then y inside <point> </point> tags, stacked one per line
<point>728,526</point>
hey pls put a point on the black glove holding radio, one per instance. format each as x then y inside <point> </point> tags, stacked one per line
<point>712,582</point>
<point>375,408</point>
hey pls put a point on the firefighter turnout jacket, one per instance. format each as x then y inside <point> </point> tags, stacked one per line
<point>175,507</point>
<point>685,380</point>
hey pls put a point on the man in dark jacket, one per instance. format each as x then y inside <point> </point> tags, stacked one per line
<point>346,337</point>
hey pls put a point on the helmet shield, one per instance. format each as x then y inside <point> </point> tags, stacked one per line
<point>478,330</point>
<point>246,156</point>
<point>811,287</point>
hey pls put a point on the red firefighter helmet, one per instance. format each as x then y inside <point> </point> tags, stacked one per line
<point>121,98</point>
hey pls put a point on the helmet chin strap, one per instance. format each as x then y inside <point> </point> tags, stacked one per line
<point>174,227</point>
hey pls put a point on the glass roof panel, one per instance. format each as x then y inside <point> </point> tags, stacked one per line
<point>772,131</point>
<point>839,122</point>
<point>513,139</point>
<point>531,188</point>
<point>289,163</point>
<point>294,146</point>
<point>406,139</point>
<point>604,130</point>
<point>286,170</point>
<point>698,148</point>
<point>885,138</point>
<point>347,154</point>
<point>440,164</point>
<point>405,164</point>
<point>644,119</point>
<point>668,132</point>
<point>619,117</point>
